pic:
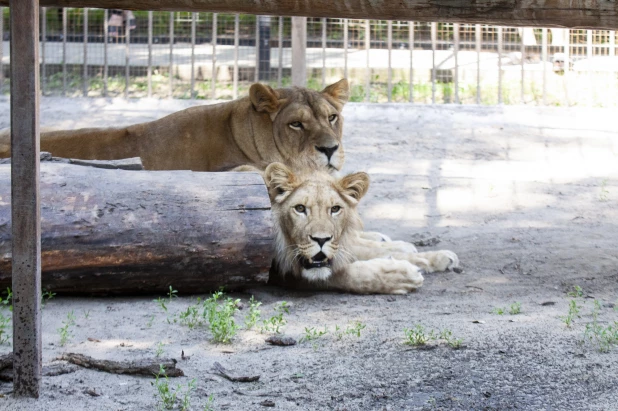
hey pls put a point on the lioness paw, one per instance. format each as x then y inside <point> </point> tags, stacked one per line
<point>400,277</point>
<point>442,260</point>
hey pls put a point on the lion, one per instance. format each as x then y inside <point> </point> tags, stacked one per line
<point>295,126</point>
<point>320,243</point>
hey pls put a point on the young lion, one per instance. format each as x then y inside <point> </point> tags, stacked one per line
<point>319,237</point>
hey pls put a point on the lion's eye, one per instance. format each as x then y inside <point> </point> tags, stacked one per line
<point>335,209</point>
<point>300,208</point>
<point>332,118</point>
<point>296,125</point>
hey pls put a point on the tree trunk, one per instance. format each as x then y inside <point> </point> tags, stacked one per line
<point>128,232</point>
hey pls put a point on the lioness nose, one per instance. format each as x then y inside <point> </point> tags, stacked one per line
<point>327,150</point>
<point>321,240</point>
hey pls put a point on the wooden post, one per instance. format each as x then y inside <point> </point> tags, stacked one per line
<point>25,210</point>
<point>299,48</point>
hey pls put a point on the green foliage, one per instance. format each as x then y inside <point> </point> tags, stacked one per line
<point>193,315</point>
<point>167,398</point>
<point>577,292</point>
<point>603,337</point>
<point>64,331</point>
<point>172,294</point>
<point>515,308</point>
<point>355,329</point>
<point>5,326</point>
<point>254,314</point>
<point>312,333</point>
<point>159,349</point>
<point>498,311</point>
<point>418,336</point>
<point>221,317</point>
<point>573,313</point>
<point>274,323</point>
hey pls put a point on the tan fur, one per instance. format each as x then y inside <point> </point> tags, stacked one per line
<point>254,130</point>
<point>350,260</point>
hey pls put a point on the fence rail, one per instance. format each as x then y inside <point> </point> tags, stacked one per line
<point>95,52</point>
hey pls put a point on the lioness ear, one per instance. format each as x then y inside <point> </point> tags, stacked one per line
<point>280,181</point>
<point>339,91</point>
<point>355,185</point>
<point>264,98</point>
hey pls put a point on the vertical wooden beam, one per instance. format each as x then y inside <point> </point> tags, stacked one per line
<point>43,46</point>
<point>85,65</point>
<point>367,60</point>
<point>389,41</point>
<point>411,41</point>
<point>1,50</point>
<point>345,48</point>
<point>280,42</point>
<point>25,205</point>
<point>477,38</point>
<point>105,41</point>
<point>323,52</point>
<point>434,36</point>
<point>236,42</point>
<point>171,68</point>
<point>127,57</point>
<point>299,51</point>
<point>150,17</point>
<point>456,57</point>
<point>500,47</point>
<point>193,35</point>
<point>64,51</point>
<point>213,79</point>
<point>544,60</point>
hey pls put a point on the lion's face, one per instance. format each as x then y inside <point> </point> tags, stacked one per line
<point>315,214</point>
<point>307,125</point>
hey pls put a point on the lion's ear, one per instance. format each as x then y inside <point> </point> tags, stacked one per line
<point>264,98</point>
<point>280,181</point>
<point>339,91</point>
<point>355,185</point>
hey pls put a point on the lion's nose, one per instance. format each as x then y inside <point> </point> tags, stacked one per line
<point>329,151</point>
<point>321,240</point>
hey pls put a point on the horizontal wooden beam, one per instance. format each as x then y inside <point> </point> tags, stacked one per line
<point>592,14</point>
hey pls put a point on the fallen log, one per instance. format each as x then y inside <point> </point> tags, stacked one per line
<point>147,367</point>
<point>128,232</point>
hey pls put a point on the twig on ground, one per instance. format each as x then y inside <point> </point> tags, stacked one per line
<point>149,367</point>
<point>219,370</point>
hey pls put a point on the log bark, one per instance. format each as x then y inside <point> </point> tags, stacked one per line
<point>130,232</point>
<point>592,14</point>
<point>147,367</point>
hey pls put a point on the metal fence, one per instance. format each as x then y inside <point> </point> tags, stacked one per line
<point>96,52</point>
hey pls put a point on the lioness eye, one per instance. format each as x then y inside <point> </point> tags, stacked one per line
<point>335,209</point>
<point>332,118</point>
<point>296,125</point>
<point>300,208</point>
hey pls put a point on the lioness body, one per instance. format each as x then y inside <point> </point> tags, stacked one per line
<point>319,237</point>
<point>254,130</point>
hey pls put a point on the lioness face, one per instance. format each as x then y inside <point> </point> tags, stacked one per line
<point>307,125</point>
<point>313,215</point>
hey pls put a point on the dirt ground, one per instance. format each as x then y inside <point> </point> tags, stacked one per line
<point>525,196</point>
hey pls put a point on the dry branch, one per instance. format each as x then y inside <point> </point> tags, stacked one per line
<point>148,367</point>
<point>593,14</point>
<point>219,370</point>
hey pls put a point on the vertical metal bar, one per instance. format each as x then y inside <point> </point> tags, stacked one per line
<point>236,34</point>
<point>544,60</point>
<point>280,67</point>
<point>612,43</point>
<point>389,41</point>
<point>299,51</point>
<point>456,58</point>
<point>434,34</point>
<point>213,79</point>
<point>25,199</point>
<point>367,67</point>
<point>345,48</point>
<point>477,38</point>
<point>85,67</point>
<point>43,45</point>
<point>411,41</point>
<point>150,54</point>
<point>523,65</point>
<point>567,66</point>
<point>193,29</point>
<point>171,68</point>
<point>1,49</point>
<point>323,52</point>
<point>589,56</point>
<point>105,41</point>
<point>64,51</point>
<point>127,57</point>
<point>500,46</point>
<point>257,51</point>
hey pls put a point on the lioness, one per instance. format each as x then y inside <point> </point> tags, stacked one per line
<point>319,237</point>
<point>296,126</point>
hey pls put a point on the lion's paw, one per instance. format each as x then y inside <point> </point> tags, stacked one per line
<point>442,260</point>
<point>400,277</point>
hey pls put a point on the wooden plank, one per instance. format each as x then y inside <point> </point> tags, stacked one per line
<point>25,210</point>
<point>126,232</point>
<point>299,55</point>
<point>594,14</point>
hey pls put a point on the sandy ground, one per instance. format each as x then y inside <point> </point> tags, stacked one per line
<point>525,196</point>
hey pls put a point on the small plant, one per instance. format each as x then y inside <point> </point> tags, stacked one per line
<point>149,323</point>
<point>221,317</point>
<point>604,194</point>
<point>210,403</point>
<point>7,301</point>
<point>447,335</point>
<point>46,296</point>
<point>498,311</point>
<point>416,336</point>
<point>274,323</point>
<point>573,313</point>
<point>172,294</point>
<point>577,292</point>
<point>515,308</point>
<point>168,398</point>
<point>161,303</point>
<point>86,314</point>
<point>253,316</point>
<point>603,336</point>
<point>65,333</point>
<point>5,325</point>
<point>191,317</point>
<point>159,350</point>
<point>313,334</point>
<point>355,329</point>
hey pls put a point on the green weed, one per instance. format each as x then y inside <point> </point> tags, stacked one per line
<point>159,350</point>
<point>573,313</point>
<point>274,323</point>
<point>604,194</point>
<point>515,308</point>
<point>221,317</point>
<point>64,331</point>
<point>312,333</point>
<point>604,337</point>
<point>577,292</point>
<point>417,336</point>
<point>253,316</point>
